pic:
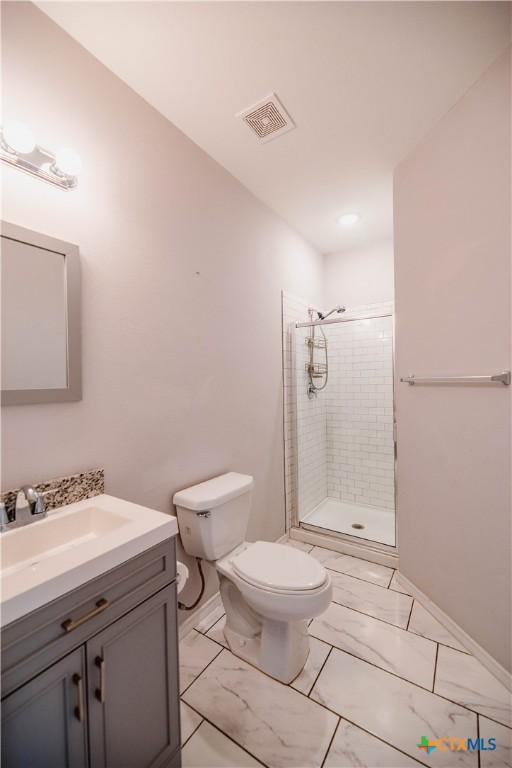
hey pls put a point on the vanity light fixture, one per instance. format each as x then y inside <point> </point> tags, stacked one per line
<point>19,138</point>
<point>18,148</point>
<point>67,162</point>
<point>348,220</point>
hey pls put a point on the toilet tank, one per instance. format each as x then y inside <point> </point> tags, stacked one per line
<point>213,516</point>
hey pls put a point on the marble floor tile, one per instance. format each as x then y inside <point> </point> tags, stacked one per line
<point>217,632</point>
<point>207,623</point>
<point>388,647</point>
<point>501,757</point>
<point>423,623</point>
<point>396,585</point>
<point>353,566</point>
<point>462,678</point>
<point>196,651</point>
<point>375,601</point>
<point>318,652</point>
<point>209,748</point>
<point>396,711</point>
<point>298,545</point>
<point>321,554</point>
<point>354,748</point>
<point>190,720</point>
<point>275,723</point>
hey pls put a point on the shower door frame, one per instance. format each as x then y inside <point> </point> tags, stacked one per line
<point>296,522</point>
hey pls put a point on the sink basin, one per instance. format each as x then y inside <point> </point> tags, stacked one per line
<point>73,544</point>
<point>60,532</point>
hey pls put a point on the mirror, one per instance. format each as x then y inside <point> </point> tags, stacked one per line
<point>40,336</point>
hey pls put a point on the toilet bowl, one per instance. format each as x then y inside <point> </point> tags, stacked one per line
<point>269,590</point>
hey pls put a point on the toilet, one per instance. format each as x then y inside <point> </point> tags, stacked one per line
<point>269,591</point>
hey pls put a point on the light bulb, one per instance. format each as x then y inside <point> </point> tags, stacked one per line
<point>68,162</point>
<point>18,137</point>
<point>348,220</point>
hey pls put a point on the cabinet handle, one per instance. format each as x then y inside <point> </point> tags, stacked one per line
<point>79,709</point>
<point>69,625</point>
<point>100,692</point>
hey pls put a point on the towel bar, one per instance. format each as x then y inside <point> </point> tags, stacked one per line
<point>499,378</point>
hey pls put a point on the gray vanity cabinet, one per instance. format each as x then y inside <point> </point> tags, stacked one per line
<point>44,721</point>
<point>132,679</point>
<point>91,680</point>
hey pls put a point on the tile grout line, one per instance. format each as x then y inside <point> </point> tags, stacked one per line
<point>435,668</point>
<point>324,706</point>
<point>209,626</point>
<point>354,557</point>
<point>479,714</point>
<point>370,733</point>
<point>330,742</point>
<point>478,736</point>
<point>405,629</point>
<point>375,666</point>
<point>307,696</point>
<point>207,720</point>
<point>359,578</point>
<point>221,648</point>
<point>364,661</point>
<point>410,614</point>
<point>356,610</point>
<point>384,621</point>
<point>226,647</point>
<point>489,717</point>
<point>348,653</point>
<point>391,579</point>
<point>301,693</point>
<point>376,618</point>
<point>320,670</point>
<point>410,682</point>
<point>195,729</point>
<point>388,743</point>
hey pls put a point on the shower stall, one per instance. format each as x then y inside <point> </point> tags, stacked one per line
<point>341,375</point>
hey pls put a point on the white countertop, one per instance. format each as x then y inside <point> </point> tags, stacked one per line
<point>40,563</point>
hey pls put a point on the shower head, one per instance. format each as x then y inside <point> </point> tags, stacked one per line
<point>339,308</point>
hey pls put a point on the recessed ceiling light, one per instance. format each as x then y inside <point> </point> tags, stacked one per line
<point>348,220</point>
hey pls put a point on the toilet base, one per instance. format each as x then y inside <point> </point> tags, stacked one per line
<point>256,632</point>
<point>281,650</point>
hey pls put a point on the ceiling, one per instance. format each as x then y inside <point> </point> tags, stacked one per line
<point>363,81</point>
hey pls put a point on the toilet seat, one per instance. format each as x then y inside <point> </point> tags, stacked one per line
<point>277,568</point>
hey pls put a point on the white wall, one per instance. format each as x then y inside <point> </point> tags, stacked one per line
<point>452,274</point>
<point>182,270</point>
<point>363,276</point>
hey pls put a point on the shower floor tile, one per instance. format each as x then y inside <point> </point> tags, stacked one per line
<point>340,516</point>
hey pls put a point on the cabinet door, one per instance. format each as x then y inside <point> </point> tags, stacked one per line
<point>133,687</point>
<point>44,721</point>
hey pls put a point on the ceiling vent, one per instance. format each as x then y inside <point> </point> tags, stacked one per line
<point>268,118</point>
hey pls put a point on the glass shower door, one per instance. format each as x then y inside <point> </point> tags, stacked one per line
<point>345,440</point>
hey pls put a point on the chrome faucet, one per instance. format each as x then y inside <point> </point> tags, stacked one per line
<point>29,508</point>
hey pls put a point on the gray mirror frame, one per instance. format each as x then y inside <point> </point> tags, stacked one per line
<point>73,316</point>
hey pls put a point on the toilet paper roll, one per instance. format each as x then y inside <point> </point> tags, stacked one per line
<point>182,575</point>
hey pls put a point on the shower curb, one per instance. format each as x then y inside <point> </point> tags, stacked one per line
<point>345,547</point>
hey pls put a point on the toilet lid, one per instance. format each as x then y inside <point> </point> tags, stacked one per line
<point>277,566</point>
